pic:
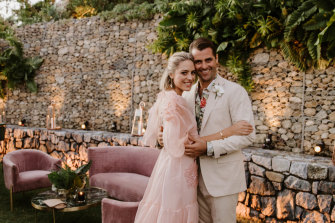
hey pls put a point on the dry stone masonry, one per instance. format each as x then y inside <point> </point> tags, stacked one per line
<point>286,187</point>
<point>93,70</point>
<point>282,186</point>
<point>98,71</point>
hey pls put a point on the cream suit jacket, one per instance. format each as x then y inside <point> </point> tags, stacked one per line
<point>224,173</point>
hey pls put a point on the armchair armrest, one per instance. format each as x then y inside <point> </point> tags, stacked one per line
<point>54,163</point>
<point>46,161</point>
<point>11,172</point>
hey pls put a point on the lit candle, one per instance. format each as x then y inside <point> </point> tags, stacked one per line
<point>83,126</point>
<point>81,196</point>
<point>317,149</point>
<point>19,123</point>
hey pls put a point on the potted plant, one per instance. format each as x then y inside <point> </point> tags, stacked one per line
<point>67,181</point>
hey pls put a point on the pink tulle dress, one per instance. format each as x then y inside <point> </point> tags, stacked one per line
<point>171,194</point>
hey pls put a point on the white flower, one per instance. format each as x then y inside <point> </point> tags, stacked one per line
<point>218,90</point>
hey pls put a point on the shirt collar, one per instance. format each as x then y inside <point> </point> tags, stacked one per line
<point>209,87</point>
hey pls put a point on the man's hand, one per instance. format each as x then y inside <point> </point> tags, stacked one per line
<point>198,148</point>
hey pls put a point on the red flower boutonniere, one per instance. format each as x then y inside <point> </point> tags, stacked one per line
<point>203,102</point>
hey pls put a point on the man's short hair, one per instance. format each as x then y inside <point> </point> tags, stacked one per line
<point>201,44</point>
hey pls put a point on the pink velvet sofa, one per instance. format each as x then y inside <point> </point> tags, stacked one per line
<point>27,169</point>
<point>124,172</point>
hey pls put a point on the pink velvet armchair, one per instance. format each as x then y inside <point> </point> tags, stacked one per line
<point>124,172</point>
<point>27,169</point>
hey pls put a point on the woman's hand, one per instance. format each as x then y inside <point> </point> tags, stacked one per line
<point>241,128</point>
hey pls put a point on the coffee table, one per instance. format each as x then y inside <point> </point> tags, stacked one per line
<point>94,196</point>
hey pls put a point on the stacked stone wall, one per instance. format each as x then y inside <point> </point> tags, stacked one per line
<point>298,108</point>
<point>282,186</point>
<point>94,70</point>
<point>98,71</point>
<point>286,187</point>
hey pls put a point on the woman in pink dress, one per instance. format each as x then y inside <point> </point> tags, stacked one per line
<point>171,194</point>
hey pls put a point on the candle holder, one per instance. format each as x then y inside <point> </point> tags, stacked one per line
<point>22,122</point>
<point>319,147</point>
<point>137,128</point>
<point>51,120</point>
<point>81,196</point>
<point>114,126</point>
<point>85,125</point>
<point>268,144</point>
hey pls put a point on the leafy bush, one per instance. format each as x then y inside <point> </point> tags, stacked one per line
<point>15,68</point>
<point>41,11</point>
<point>68,179</point>
<point>304,30</point>
<point>142,10</point>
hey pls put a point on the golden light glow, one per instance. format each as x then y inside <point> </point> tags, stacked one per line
<point>317,149</point>
<point>119,98</point>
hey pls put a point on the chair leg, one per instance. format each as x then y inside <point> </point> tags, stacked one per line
<point>11,198</point>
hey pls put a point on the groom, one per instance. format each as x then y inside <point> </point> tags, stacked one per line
<point>217,104</point>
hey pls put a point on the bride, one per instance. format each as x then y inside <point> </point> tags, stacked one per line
<point>171,194</point>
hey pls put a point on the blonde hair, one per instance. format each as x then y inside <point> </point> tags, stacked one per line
<point>173,62</point>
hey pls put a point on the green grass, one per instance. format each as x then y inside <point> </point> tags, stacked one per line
<point>25,213</point>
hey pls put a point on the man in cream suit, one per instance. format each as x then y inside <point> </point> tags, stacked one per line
<point>217,104</point>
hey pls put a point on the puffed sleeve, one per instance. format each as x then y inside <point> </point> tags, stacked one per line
<point>153,127</point>
<point>175,133</point>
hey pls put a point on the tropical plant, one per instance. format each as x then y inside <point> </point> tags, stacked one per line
<point>15,68</point>
<point>304,30</point>
<point>68,179</point>
<point>310,34</point>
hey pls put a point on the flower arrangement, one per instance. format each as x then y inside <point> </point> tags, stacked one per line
<point>68,179</point>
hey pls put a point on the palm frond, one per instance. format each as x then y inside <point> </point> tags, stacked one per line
<point>298,16</point>
<point>317,22</point>
<point>312,48</point>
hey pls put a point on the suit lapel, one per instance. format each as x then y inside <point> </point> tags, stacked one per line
<point>211,102</point>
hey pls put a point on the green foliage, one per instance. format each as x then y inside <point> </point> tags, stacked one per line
<point>41,11</point>
<point>15,68</point>
<point>142,10</point>
<point>303,29</point>
<point>68,179</point>
<point>309,35</point>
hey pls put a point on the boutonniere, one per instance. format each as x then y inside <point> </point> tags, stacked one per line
<point>203,102</point>
<point>218,90</point>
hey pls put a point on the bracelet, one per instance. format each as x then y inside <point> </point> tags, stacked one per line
<point>221,134</point>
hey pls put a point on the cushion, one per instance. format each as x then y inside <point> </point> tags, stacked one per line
<point>121,186</point>
<point>33,179</point>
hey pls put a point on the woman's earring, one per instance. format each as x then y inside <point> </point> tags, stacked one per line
<point>171,83</point>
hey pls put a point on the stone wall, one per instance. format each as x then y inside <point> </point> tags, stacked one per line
<point>282,186</point>
<point>297,107</point>
<point>287,187</point>
<point>70,145</point>
<point>94,70</point>
<point>98,71</point>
